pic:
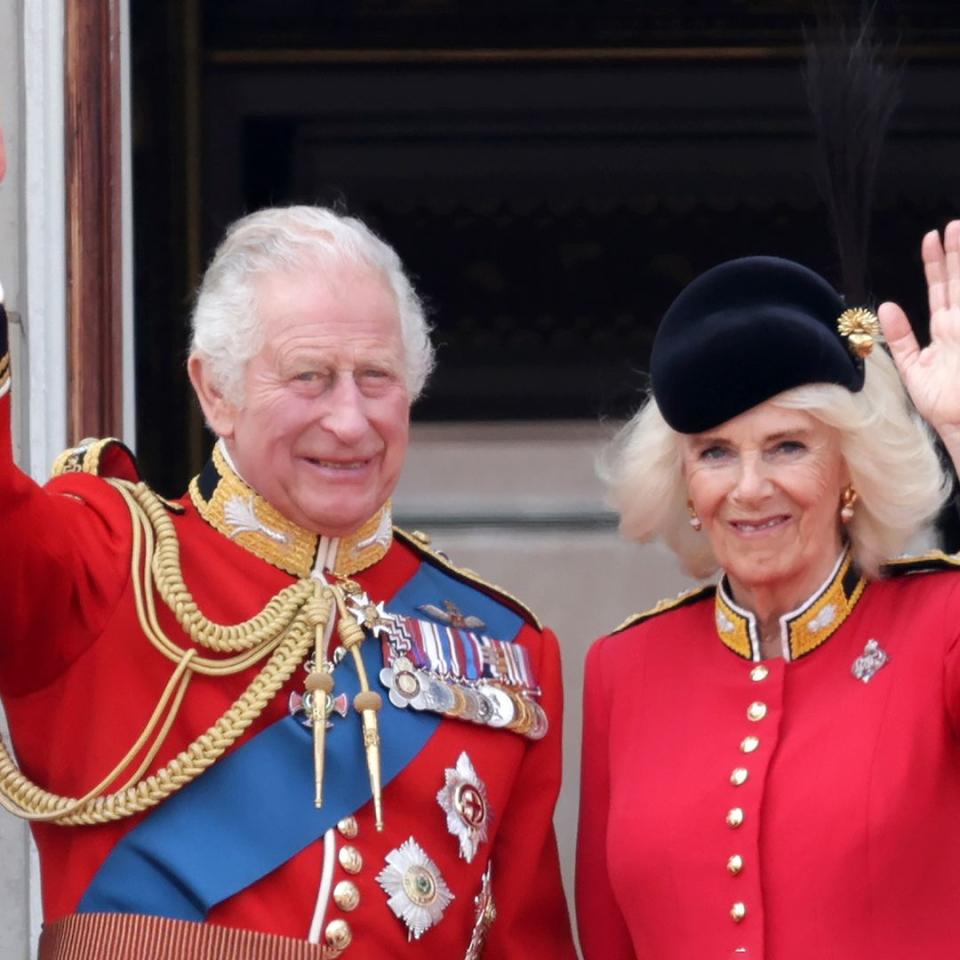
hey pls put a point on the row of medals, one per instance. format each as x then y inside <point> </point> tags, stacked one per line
<point>481,701</point>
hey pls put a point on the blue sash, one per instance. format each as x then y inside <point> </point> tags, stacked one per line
<point>253,810</point>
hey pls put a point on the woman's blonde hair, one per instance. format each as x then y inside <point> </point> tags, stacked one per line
<point>888,449</point>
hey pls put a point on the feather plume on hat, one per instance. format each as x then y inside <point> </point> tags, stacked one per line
<point>853,90</point>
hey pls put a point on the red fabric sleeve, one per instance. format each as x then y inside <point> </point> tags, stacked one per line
<point>603,932</point>
<point>64,564</point>
<point>532,919</point>
<point>951,666</point>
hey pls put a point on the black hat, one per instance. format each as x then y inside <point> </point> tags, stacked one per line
<point>747,330</point>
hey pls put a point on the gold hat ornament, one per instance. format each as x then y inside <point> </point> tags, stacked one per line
<point>861,328</point>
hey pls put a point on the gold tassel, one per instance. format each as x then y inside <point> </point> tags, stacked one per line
<point>367,703</point>
<point>319,684</point>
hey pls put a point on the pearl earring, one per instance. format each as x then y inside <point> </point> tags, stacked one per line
<point>695,521</point>
<point>848,500</point>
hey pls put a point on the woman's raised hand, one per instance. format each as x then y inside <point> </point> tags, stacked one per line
<point>932,375</point>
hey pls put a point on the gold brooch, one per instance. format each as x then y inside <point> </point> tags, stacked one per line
<point>861,328</point>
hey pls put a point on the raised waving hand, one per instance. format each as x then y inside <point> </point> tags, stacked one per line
<point>932,374</point>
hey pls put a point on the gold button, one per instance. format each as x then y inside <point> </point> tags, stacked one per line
<point>350,859</point>
<point>738,911</point>
<point>348,827</point>
<point>735,864</point>
<point>759,672</point>
<point>338,934</point>
<point>739,776</point>
<point>749,744</point>
<point>757,710</point>
<point>735,817</point>
<point>346,895</point>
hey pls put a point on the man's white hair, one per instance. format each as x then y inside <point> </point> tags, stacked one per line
<point>227,331</point>
<point>888,449</point>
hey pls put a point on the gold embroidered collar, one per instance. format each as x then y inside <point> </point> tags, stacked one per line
<point>802,630</point>
<point>234,508</point>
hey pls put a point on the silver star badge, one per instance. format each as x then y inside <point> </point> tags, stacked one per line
<point>464,800</point>
<point>869,662</point>
<point>416,892</point>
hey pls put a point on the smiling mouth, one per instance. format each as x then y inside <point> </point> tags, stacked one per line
<point>344,465</point>
<point>759,526</point>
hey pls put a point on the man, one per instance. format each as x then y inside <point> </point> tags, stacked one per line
<point>272,724</point>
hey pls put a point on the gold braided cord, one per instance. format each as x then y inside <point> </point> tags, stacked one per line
<point>161,737</point>
<point>366,703</point>
<point>17,794</point>
<point>296,607</point>
<point>299,598</point>
<point>269,624</point>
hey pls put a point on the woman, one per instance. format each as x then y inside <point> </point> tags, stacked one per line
<point>771,767</point>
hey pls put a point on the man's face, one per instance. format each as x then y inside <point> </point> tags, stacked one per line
<point>322,432</point>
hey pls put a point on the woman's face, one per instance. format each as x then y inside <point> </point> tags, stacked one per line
<point>767,487</point>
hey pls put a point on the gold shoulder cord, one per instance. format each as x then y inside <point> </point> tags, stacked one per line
<point>284,630</point>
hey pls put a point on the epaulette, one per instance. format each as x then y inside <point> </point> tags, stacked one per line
<point>683,600</point>
<point>108,457</point>
<point>420,542</point>
<point>922,563</point>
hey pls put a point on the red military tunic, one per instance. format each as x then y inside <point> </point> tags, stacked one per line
<point>79,682</point>
<point>784,810</point>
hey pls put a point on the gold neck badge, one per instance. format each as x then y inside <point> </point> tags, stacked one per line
<point>802,630</point>
<point>234,508</point>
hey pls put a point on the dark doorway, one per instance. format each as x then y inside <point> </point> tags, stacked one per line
<point>550,173</point>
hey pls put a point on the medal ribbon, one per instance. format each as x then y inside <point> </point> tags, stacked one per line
<point>456,654</point>
<point>253,810</point>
